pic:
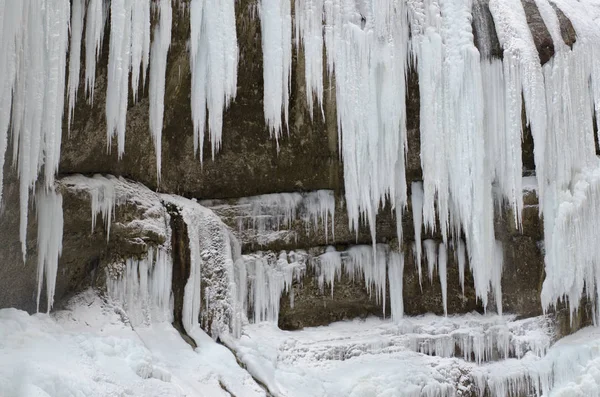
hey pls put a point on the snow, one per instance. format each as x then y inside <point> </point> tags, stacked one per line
<point>415,357</point>
<point>93,348</point>
<point>158,70</point>
<point>214,62</point>
<point>276,35</point>
<point>88,350</point>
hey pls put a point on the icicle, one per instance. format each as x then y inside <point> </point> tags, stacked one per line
<point>330,268</point>
<point>119,64</point>
<point>77,15</point>
<point>276,34</point>
<point>417,212</point>
<point>94,34</point>
<point>103,198</point>
<point>214,61</point>
<point>158,69</point>
<point>50,234</point>
<point>10,36</point>
<point>431,256</point>
<point>497,276</point>
<point>443,273</point>
<point>396,279</point>
<point>461,259</point>
<point>309,33</point>
<point>140,43</point>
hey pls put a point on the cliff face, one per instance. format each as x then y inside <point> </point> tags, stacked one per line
<point>250,163</point>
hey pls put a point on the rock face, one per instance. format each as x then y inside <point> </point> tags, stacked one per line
<point>250,163</point>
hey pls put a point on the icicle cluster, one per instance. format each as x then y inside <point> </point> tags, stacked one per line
<point>128,54</point>
<point>143,287</point>
<point>264,277</point>
<point>571,167</point>
<point>214,61</point>
<point>34,37</point>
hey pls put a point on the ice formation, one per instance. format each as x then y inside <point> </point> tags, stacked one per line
<point>34,46</point>
<point>211,283</point>
<point>143,287</point>
<point>214,62</point>
<point>263,277</point>
<point>265,218</point>
<point>276,34</point>
<point>49,242</point>
<point>158,70</point>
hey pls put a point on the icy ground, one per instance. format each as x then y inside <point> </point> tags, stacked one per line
<point>90,349</point>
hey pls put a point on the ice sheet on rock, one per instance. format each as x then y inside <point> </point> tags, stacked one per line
<point>158,70</point>
<point>271,217</point>
<point>214,62</point>
<point>210,292</point>
<point>276,35</point>
<point>49,242</point>
<point>142,287</point>
<point>108,193</point>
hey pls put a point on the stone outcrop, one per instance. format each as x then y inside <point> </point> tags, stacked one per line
<point>250,163</point>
